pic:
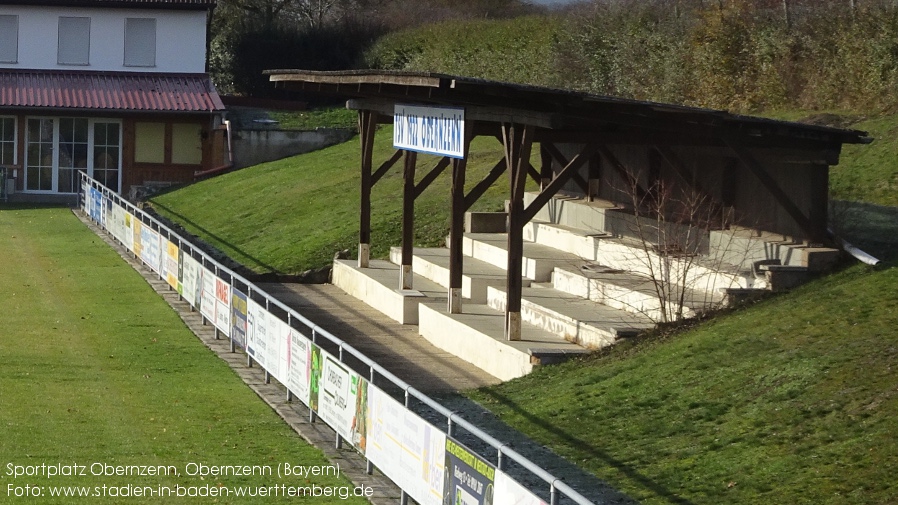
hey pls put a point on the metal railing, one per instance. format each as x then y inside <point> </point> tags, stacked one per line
<point>504,453</point>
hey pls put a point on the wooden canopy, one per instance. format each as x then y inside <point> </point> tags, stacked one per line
<point>775,171</point>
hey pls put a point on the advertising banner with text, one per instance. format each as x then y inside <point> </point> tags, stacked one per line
<point>170,264</point>
<point>470,478</point>
<point>190,285</point>
<point>299,356</point>
<point>343,401</point>
<point>238,317</point>
<point>263,340</point>
<point>407,449</point>
<point>150,251</point>
<point>223,306</point>
<point>207,298</point>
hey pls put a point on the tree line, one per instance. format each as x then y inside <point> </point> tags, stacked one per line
<point>741,55</point>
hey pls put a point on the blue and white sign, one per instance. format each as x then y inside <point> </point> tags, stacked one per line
<point>433,130</point>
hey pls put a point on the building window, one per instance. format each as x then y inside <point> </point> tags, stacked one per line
<point>73,142</point>
<point>7,141</point>
<point>74,41</point>
<point>107,154</point>
<point>9,39</point>
<point>149,142</point>
<point>187,144</point>
<point>58,148</point>
<point>140,42</point>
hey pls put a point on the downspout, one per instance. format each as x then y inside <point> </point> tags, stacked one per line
<point>854,251</point>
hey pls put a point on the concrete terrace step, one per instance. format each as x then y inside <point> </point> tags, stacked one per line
<point>378,286</point>
<point>538,263</point>
<point>699,273</point>
<point>572,318</point>
<point>631,292</point>
<point>743,247</point>
<point>478,336</point>
<point>433,264</point>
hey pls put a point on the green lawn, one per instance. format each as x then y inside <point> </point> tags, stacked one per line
<point>97,368</point>
<point>790,401</point>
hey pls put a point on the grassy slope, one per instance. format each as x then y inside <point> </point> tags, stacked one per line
<point>789,401</point>
<point>294,214</point>
<point>95,366</point>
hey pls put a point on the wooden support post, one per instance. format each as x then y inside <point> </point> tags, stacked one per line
<point>367,126</point>
<point>518,140</point>
<point>456,235</point>
<point>408,220</point>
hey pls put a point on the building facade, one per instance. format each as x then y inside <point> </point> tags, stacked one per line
<point>114,88</point>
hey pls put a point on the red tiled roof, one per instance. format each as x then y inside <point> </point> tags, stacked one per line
<point>157,4</point>
<point>110,91</point>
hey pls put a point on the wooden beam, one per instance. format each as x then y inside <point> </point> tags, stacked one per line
<point>367,125</point>
<point>518,141</point>
<point>408,220</point>
<point>814,231</point>
<point>562,160</point>
<point>545,169</point>
<point>431,176</point>
<point>386,166</point>
<point>560,180</point>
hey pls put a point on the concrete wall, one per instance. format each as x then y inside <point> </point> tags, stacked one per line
<point>252,147</point>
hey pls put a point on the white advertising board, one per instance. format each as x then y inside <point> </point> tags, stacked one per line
<point>119,224</point>
<point>336,399</point>
<point>222,319</point>
<point>190,286</point>
<point>170,263</point>
<point>407,449</point>
<point>207,297</point>
<point>299,359</point>
<point>507,491</point>
<point>433,130</point>
<point>150,252</point>
<point>263,339</point>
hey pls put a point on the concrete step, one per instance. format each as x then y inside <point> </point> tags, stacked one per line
<point>743,247</point>
<point>572,318</point>
<point>378,286</point>
<point>433,264</point>
<point>478,336</point>
<point>633,293</point>
<point>697,272</point>
<point>538,263</point>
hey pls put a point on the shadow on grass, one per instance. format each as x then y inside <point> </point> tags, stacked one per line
<point>184,220</point>
<point>872,228</point>
<point>579,479</point>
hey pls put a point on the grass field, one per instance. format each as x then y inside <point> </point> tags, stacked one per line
<point>98,369</point>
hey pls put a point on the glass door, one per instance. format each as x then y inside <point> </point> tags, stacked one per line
<point>58,148</point>
<point>39,154</point>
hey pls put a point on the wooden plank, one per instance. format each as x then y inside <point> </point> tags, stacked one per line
<point>545,169</point>
<point>812,231</point>
<point>562,160</point>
